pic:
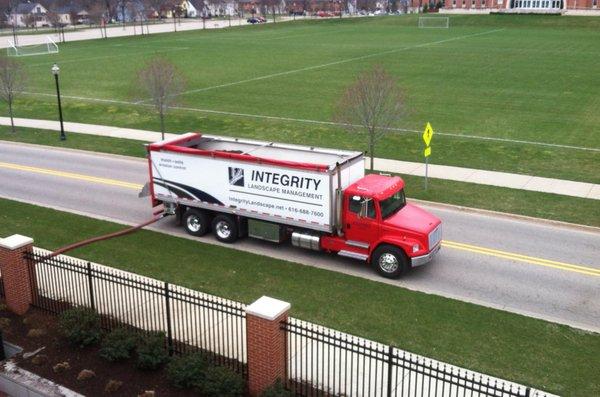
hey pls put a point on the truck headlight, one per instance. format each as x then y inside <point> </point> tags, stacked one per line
<point>415,247</point>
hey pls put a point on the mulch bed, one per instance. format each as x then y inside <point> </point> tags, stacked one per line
<point>135,381</point>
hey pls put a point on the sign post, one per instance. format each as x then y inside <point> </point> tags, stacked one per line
<point>427,135</point>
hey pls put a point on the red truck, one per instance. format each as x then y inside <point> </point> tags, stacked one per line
<point>317,198</point>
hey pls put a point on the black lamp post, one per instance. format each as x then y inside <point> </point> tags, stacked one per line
<point>55,71</point>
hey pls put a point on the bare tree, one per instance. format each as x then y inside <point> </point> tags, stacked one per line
<point>53,19</point>
<point>30,21</point>
<point>97,15</point>
<point>373,104</point>
<point>12,82</point>
<point>162,82</point>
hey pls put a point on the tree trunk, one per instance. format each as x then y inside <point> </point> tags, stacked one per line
<point>10,111</point>
<point>162,124</point>
<point>372,149</point>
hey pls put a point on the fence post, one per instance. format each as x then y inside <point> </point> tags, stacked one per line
<point>390,364</point>
<point>15,272</point>
<point>169,330</point>
<point>91,286</point>
<point>266,345</point>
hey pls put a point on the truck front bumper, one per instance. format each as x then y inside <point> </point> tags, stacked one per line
<point>423,259</point>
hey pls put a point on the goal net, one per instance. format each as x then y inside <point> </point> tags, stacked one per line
<point>49,47</point>
<point>434,22</point>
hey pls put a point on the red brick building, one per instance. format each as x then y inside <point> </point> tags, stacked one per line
<point>525,5</point>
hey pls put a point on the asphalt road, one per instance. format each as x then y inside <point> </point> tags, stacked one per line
<point>535,268</point>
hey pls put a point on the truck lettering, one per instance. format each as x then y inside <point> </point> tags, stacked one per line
<point>285,180</point>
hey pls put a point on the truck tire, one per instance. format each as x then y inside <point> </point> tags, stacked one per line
<point>225,228</point>
<point>390,261</point>
<point>195,222</point>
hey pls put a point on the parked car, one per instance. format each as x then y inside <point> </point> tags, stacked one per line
<point>324,14</point>
<point>254,20</point>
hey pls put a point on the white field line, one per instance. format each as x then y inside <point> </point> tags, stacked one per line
<point>331,123</point>
<point>340,62</point>
<point>113,56</point>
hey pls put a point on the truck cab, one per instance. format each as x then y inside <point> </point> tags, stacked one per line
<point>379,226</point>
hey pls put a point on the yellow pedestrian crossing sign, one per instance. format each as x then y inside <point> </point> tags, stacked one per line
<point>427,134</point>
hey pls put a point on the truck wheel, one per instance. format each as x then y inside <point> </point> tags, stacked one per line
<point>195,222</point>
<point>390,261</point>
<point>225,228</point>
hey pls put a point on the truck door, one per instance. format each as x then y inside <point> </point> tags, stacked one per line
<point>361,231</point>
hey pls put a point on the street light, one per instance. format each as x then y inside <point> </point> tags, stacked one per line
<point>55,71</point>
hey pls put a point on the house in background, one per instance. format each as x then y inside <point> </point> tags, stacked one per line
<point>29,15</point>
<point>71,15</point>
<point>199,8</point>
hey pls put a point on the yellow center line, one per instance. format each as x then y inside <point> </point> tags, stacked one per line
<point>71,175</point>
<point>523,258</point>
<point>449,244</point>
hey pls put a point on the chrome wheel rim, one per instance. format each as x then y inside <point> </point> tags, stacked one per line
<point>388,263</point>
<point>223,230</point>
<point>193,223</point>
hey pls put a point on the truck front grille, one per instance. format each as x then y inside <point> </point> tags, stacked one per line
<point>435,236</point>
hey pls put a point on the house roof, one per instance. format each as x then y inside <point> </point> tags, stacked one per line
<point>27,8</point>
<point>69,9</point>
<point>198,4</point>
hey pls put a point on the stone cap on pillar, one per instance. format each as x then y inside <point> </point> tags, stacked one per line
<point>268,308</point>
<point>15,241</point>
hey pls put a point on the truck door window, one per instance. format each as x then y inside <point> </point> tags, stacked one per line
<point>355,203</point>
<point>392,204</point>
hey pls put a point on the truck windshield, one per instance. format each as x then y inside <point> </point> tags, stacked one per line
<point>392,204</point>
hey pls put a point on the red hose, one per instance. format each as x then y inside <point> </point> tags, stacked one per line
<point>101,238</point>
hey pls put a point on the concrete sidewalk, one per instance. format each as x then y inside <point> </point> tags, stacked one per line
<point>483,177</point>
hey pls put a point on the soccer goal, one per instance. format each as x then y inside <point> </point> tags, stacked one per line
<point>434,22</point>
<point>49,47</point>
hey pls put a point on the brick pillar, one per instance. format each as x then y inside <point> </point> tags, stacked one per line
<point>15,273</point>
<point>266,343</point>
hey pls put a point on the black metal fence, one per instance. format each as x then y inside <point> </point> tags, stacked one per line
<point>322,362</point>
<point>191,320</point>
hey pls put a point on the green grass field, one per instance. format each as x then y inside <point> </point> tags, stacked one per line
<point>524,78</point>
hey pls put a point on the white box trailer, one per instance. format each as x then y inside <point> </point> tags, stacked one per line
<point>286,184</point>
<point>318,198</point>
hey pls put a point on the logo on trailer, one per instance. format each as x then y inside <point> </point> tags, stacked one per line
<point>236,176</point>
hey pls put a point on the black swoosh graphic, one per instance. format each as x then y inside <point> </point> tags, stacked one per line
<point>200,194</point>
